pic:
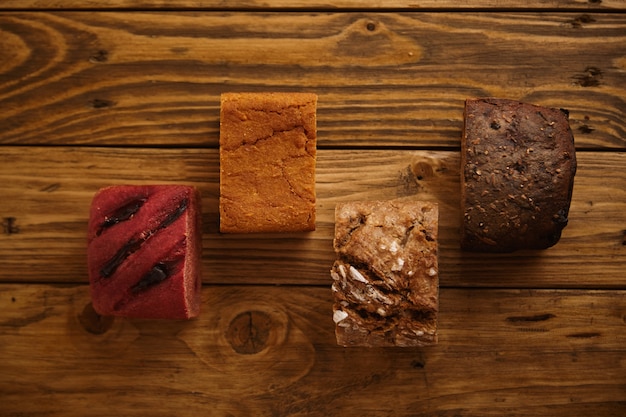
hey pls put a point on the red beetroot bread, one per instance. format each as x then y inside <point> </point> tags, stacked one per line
<point>518,163</point>
<point>144,246</point>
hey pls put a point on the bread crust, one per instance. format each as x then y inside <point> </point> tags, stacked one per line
<point>518,163</point>
<point>143,251</point>
<point>267,162</point>
<point>385,278</point>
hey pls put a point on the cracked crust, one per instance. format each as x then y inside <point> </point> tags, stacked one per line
<point>385,280</point>
<point>267,162</point>
<point>518,163</point>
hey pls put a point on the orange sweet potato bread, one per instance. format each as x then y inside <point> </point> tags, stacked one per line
<point>267,162</point>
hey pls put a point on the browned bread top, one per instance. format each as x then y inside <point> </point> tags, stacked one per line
<point>267,162</point>
<point>518,163</point>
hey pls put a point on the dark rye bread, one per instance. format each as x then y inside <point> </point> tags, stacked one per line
<point>267,162</point>
<point>518,163</point>
<point>385,278</point>
<point>143,253</point>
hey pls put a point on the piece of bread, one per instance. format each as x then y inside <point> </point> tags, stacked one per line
<point>518,163</point>
<point>144,247</point>
<point>267,162</point>
<point>386,278</point>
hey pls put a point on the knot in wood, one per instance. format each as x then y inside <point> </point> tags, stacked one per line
<point>9,226</point>
<point>99,56</point>
<point>93,322</point>
<point>249,332</point>
<point>422,170</point>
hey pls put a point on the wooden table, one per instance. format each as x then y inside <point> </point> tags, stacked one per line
<point>94,93</point>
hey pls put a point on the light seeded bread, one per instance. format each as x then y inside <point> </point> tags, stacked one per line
<point>385,278</point>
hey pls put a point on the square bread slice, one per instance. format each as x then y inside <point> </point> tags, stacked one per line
<point>267,162</point>
<point>386,278</point>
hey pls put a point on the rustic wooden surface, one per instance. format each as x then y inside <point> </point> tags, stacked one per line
<point>384,79</point>
<point>315,4</point>
<point>95,93</point>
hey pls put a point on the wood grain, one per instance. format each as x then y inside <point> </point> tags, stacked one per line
<point>47,191</point>
<point>95,93</point>
<point>535,353</point>
<point>324,5</point>
<point>384,79</point>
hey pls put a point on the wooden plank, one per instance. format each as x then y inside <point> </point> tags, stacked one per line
<point>45,194</point>
<point>384,79</point>
<point>501,352</point>
<point>303,4</point>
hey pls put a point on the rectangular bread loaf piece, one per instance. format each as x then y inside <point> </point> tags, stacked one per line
<point>267,162</point>
<point>144,249</point>
<point>518,165</point>
<point>386,278</point>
